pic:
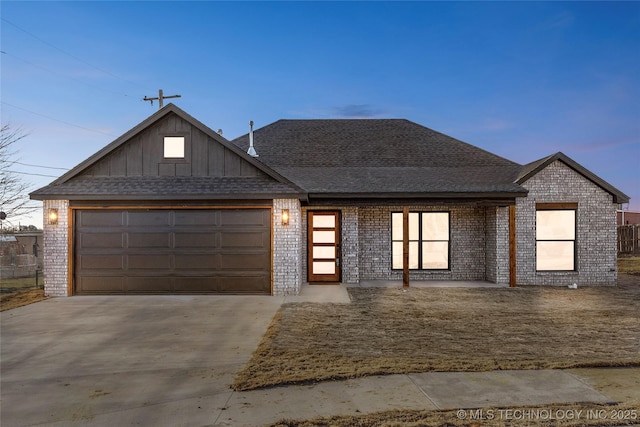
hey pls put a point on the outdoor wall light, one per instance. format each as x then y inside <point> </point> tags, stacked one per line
<point>285,216</point>
<point>53,216</point>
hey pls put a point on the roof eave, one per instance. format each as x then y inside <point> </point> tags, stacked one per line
<point>409,195</point>
<point>156,197</point>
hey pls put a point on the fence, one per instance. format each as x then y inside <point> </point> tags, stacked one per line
<point>16,266</point>
<point>629,239</point>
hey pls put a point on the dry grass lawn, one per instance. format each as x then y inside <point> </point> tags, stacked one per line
<point>629,265</point>
<point>20,298</point>
<point>389,331</point>
<point>572,415</point>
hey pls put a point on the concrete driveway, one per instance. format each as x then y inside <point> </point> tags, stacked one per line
<point>169,360</point>
<point>131,360</point>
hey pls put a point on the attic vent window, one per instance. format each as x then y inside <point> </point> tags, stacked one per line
<point>174,147</point>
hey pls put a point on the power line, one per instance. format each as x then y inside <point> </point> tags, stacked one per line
<point>32,174</point>
<point>71,55</point>
<point>61,74</point>
<point>57,120</point>
<point>38,166</point>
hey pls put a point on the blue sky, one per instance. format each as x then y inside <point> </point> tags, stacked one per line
<point>520,79</point>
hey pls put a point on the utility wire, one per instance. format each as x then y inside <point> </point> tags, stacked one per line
<point>37,166</point>
<point>32,174</point>
<point>63,75</point>
<point>57,120</point>
<point>71,55</point>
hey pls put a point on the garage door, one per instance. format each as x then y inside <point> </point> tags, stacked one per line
<point>172,251</point>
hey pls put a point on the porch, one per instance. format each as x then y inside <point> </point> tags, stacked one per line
<point>427,284</point>
<point>337,292</point>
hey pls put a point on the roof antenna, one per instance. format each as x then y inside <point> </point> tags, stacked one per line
<point>251,151</point>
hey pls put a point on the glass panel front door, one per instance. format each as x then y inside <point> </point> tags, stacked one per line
<point>324,246</point>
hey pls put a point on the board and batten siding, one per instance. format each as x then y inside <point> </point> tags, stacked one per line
<point>143,155</point>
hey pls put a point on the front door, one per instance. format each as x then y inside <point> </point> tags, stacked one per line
<point>324,246</point>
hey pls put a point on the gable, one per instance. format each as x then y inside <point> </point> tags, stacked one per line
<point>143,154</point>
<point>205,166</point>
<point>534,168</point>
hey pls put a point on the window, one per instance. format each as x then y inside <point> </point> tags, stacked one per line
<point>174,147</point>
<point>428,240</point>
<point>555,239</point>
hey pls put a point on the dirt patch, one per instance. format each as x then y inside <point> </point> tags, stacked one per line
<point>390,331</point>
<point>20,298</point>
<point>581,414</point>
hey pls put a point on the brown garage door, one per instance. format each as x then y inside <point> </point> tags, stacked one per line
<point>172,251</point>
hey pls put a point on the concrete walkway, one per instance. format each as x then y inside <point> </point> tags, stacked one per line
<point>431,391</point>
<point>169,360</point>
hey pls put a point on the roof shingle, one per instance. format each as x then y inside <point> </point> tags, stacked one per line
<point>165,188</point>
<point>379,156</point>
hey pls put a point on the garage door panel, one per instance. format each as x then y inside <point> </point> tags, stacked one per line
<point>148,218</point>
<point>149,284</point>
<point>158,262</point>
<point>242,284</point>
<point>172,251</point>
<point>242,239</point>
<point>101,218</point>
<point>190,218</point>
<point>100,284</point>
<point>245,261</point>
<point>197,284</point>
<point>195,240</point>
<point>245,217</point>
<point>102,240</point>
<point>101,262</point>
<point>197,262</point>
<point>149,240</point>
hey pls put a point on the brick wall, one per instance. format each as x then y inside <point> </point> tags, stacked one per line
<point>468,245</point>
<point>287,248</point>
<point>490,255</point>
<point>55,247</point>
<point>497,245</point>
<point>596,228</point>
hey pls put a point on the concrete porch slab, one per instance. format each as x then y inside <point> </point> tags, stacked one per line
<point>332,293</point>
<point>426,284</point>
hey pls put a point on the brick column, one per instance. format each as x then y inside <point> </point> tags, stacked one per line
<point>55,249</point>
<point>287,248</point>
<point>350,244</point>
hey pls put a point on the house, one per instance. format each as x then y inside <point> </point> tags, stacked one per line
<point>173,207</point>
<point>626,217</point>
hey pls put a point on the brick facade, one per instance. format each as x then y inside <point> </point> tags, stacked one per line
<point>55,249</point>
<point>287,248</point>
<point>596,228</point>
<point>497,245</point>
<point>479,239</point>
<point>366,243</point>
<point>467,240</point>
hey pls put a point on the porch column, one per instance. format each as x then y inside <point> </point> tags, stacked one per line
<point>512,246</point>
<point>405,247</point>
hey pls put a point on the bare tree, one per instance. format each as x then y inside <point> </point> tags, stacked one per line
<point>14,191</point>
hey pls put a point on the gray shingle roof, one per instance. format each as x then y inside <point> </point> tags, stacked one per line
<point>165,188</point>
<point>379,156</point>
